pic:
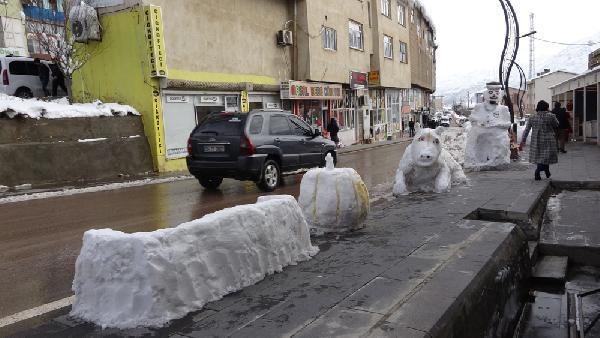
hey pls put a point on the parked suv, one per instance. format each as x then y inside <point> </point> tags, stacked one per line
<point>20,77</point>
<point>257,146</point>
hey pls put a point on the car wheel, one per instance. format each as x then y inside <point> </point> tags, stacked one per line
<point>210,183</point>
<point>269,178</point>
<point>24,93</point>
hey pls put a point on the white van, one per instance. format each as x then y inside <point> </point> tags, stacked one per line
<point>20,77</point>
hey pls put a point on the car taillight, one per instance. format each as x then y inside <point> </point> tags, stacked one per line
<point>5,78</point>
<point>246,146</point>
<point>189,146</point>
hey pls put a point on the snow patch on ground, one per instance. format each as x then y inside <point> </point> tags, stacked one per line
<point>14,106</point>
<point>520,131</point>
<point>553,207</point>
<point>147,279</point>
<point>111,186</point>
<point>92,140</point>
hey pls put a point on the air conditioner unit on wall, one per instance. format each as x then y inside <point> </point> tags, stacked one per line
<point>284,38</point>
<point>85,24</point>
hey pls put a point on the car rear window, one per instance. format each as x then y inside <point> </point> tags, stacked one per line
<point>23,68</point>
<point>256,125</point>
<point>222,125</point>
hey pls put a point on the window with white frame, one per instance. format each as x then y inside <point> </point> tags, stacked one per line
<point>412,15</point>
<point>355,33</point>
<point>403,52</point>
<point>385,7</point>
<point>329,37</point>
<point>388,47</point>
<point>401,14</point>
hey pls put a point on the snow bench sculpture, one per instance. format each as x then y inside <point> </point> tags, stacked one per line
<point>333,199</point>
<point>426,166</point>
<point>147,279</point>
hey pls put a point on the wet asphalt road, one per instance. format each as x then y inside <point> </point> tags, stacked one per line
<point>40,239</point>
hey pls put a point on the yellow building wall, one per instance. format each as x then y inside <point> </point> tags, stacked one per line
<point>118,71</point>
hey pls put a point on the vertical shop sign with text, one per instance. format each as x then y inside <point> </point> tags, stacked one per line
<point>157,117</point>
<point>153,30</point>
<point>245,103</point>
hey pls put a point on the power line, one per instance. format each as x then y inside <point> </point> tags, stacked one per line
<point>590,43</point>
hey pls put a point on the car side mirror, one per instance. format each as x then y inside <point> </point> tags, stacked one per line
<point>317,132</point>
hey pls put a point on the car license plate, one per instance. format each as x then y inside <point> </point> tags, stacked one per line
<point>214,149</point>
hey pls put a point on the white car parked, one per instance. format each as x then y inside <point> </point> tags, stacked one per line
<point>20,77</point>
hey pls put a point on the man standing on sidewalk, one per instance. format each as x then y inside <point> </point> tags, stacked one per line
<point>563,126</point>
<point>411,128</point>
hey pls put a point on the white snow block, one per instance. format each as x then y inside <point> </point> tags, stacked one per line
<point>147,279</point>
<point>333,199</point>
<point>427,167</point>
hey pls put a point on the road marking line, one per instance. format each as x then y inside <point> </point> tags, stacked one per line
<point>36,311</point>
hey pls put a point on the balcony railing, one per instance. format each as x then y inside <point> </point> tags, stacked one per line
<point>43,14</point>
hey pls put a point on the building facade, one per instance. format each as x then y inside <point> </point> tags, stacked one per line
<point>539,88</point>
<point>13,40</point>
<point>423,66</point>
<point>178,61</point>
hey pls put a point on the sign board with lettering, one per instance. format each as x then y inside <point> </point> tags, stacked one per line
<point>273,105</point>
<point>157,117</point>
<point>157,58</point>
<point>300,90</point>
<point>594,59</point>
<point>178,99</point>
<point>359,80</point>
<point>244,102</point>
<point>374,79</point>
<point>215,100</point>
<point>104,3</point>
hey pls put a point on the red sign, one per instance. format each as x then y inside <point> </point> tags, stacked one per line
<point>359,80</point>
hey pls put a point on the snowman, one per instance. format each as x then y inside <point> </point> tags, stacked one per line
<point>488,142</point>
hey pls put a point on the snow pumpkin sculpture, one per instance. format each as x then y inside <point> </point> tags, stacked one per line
<point>333,199</point>
<point>426,166</point>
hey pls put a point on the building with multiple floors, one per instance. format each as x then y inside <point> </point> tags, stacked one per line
<point>13,40</point>
<point>178,61</point>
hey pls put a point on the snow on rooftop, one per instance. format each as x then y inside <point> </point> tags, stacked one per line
<point>13,106</point>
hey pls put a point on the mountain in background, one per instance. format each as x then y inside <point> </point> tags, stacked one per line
<point>571,58</point>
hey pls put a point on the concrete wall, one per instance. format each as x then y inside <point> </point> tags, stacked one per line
<point>392,72</point>
<point>118,71</point>
<point>319,64</point>
<point>226,41</point>
<point>47,152</point>
<point>420,56</point>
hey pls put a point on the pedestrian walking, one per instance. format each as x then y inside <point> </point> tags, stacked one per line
<point>44,74</point>
<point>333,128</point>
<point>411,128</point>
<point>58,80</point>
<point>543,152</point>
<point>563,126</point>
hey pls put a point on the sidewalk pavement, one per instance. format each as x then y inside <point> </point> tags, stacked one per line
<point>419,268</point>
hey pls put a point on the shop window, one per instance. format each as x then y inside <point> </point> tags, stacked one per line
<point>388,47</point>
<point>329,37</point>
<point>256,125</point>
<point>355,32</point>
<point>278,125</point>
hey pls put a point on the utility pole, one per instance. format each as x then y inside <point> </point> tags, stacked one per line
<point>468,99</point>
<point>531,48</point>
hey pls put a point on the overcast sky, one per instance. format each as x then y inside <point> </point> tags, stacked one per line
<point>470,33</point>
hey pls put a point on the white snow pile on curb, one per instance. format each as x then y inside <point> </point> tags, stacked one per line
<point>520,131</point>
<point>454,140</point>
<point>147,279</point>
<point>14,106</point>
<point>105,187</point>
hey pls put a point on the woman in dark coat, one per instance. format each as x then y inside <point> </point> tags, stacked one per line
<point>333,129</point>
<point>543,150</point>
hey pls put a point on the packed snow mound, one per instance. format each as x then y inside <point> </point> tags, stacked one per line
<point>520,131</point>
<point>427,167</point>
<point>147,279</point>
<point>454,140</point>
<point>12,106</point>
<point>333,199</point>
